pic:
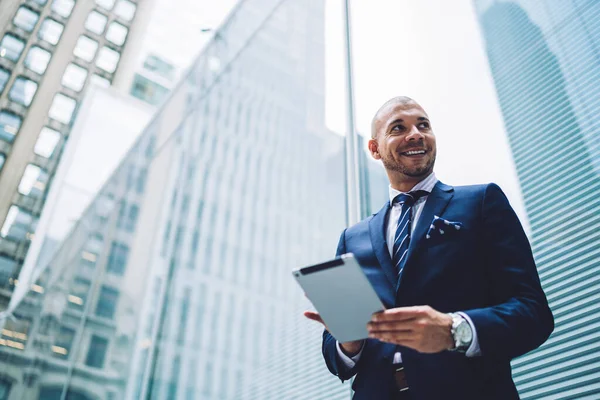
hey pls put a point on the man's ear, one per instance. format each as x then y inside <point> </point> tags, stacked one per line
<point>374,149</point>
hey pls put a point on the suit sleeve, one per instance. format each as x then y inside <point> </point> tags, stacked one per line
<point>332,359</point>
<point>519,319</point>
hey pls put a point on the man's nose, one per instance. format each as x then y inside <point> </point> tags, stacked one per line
<point>414,134</point>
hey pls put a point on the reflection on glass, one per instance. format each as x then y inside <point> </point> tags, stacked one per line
<point>74,77</point>
<point>50,31</point>
<point>11,47</point>
<point>37,59</point>
<point>85,48</point>
<point>125,9</point>
<point>148,90</point>
<point>107,302</point>
<point>17,224</point>
<point>9,125</point>
<point>116,33</point>
<point>96,22</point>
<point>33,182</point>
<point>46,142</point>
<point>63,7</point>
<point>108,59</point>
<point>106,4</point>
<point>22,91</point>
<point>97,352</point>
<point>63,342</point>
<point>62,108</point>
<point>2,160</point>
<point>4,76</point>
<point>26,18</point>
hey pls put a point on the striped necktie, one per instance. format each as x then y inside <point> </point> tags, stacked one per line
<point>403,227</point>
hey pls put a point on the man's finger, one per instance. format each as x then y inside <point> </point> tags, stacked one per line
<point>400,326</point>
<point>397,314</point>
<point>404,339</point>
<point>314,316</point>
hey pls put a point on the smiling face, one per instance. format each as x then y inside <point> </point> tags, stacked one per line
<point>403,140</point>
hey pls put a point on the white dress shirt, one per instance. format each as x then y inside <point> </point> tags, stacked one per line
<point>427,185</point>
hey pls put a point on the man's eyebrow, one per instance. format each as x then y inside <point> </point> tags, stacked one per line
<point>396,121</point>
<point>423,119</point>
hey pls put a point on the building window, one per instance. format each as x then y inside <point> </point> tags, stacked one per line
<point>74,77</point>
<point>159,66</point>
<point>106,4</point>
<point>79,292</point>
<point>37,59</point>
<point>99,80</point>
<point>116,33</point>
<point>2,160</point>
<point>63,7</point>
<point>5,386</point>
<point>107,302</point>
<point>125,9</point>
<point>9,125</point>
<point>50,31</point>
<point>108,59</point>
<point>46,142</point>
<point>62,108</point>
<point>34,180</point>
<point>22,91</point>
<point>26,18</point>
<point>41,3</point>
<point>85,48</point>
<point>62,342</point>
<point>4,76</point>
<point>96,22</point>
<point>147,90</point>
<point>117,260</point>
<point>17,224</point>
<point>11,47</point>
<point>97,352</point>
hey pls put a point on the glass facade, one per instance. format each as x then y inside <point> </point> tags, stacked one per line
<point>544,62</point>
<point>176,282</point>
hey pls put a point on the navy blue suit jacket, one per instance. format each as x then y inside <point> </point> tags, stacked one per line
<point>485,269</point>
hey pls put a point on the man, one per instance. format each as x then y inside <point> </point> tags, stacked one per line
<point>454,270</point>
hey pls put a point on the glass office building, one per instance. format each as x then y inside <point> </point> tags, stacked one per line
<point>546,67</point>
<point>51,51</point>
<point>176,281</point>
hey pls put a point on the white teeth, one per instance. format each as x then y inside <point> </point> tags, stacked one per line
<point>410,153</point>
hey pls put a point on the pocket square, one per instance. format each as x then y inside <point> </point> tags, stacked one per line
<point>440,226</point>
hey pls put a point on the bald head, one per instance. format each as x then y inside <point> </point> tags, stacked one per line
<point>402,101</point>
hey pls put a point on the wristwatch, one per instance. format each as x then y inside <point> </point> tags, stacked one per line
<point>461,333</point>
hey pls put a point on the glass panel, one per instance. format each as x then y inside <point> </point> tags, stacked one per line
<point>62,108</point>
<point>9,125</point>
<point>99,80</point>
<point>63,7</point>
<point>159,66</point>
<point>37,59</point>
<point>26,18</point>
<point>96,22</point>
<point>4,77</point>
<point>50,31</point>
<point>118,258</point>
<point>74,77</point>
<point>34,180</point>
<point>17,224</point>
<point>41,3</point>
<point>108,59</point>
<point>148,90</point>
<point>116,33</point>
<point>46,142</point>
<point>85,48</point>
<point>2,160</point>
<point>22,91</point>
<point>63,342</point>
<point>125,9</point>
<point>11,47</point>
<point>106,4</point>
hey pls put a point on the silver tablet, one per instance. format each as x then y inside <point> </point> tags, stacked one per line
<point>342,295</point>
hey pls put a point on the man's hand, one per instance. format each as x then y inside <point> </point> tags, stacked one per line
<point>350,348</point>
<point>421,328</point>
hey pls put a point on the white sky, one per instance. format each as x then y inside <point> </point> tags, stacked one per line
<point>430,50</point>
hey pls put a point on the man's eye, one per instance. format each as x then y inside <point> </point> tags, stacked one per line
<point>398,128</point>
<point>424,125</point>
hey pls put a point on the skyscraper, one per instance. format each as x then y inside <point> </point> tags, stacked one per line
<point>176,281</point>
<point>544,62</point>
<point>50,52</point>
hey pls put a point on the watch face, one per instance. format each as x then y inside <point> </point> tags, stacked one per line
<point>464,333</point>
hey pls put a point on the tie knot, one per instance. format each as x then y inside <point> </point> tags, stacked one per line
<point>409,198</point>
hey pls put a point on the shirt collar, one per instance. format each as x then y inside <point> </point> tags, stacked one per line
<point>426,184</point>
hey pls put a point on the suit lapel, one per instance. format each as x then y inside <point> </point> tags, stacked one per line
<point>377,230</point>
<point>436,203</point>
